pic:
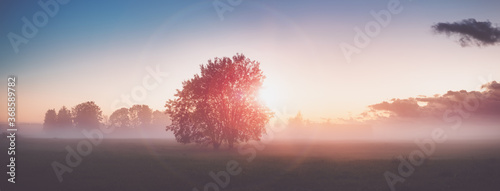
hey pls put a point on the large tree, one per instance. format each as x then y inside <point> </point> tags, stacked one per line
<point>87,115</point>
<point>221,104</point>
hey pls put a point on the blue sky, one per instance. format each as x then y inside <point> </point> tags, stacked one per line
<point>98,50</point>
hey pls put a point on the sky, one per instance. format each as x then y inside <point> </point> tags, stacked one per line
<point>103,50</point>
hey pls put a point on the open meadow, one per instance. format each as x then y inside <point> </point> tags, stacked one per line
<point>156,164</point>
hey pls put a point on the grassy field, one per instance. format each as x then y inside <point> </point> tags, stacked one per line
<point>137,164</point>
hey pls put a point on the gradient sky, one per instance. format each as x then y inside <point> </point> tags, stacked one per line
<point>99,50</point>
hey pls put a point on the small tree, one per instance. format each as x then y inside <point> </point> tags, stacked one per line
<point>140,116</point>
<point>50,121</point>
<point>160,119</point>
<point>87,115</point>
<point>64,119</point>
<point>221,104</point>
<point>120,118</point>
<point>297,121</point>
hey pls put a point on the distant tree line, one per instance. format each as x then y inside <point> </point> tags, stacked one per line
<point>88,115</point>
<point>138,116</point>
<point>59,120</point>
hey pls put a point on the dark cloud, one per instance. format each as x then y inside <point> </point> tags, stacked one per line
<point>485,103</point>
<point>471,32</point>
<point>399,107</point>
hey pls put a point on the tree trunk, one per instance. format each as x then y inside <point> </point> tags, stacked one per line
<point>230,140</point>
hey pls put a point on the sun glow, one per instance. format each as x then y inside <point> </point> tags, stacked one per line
<point>268,95</point>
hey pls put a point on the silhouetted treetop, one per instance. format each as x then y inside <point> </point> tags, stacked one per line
<point>120,118</point>
<point>160,119</point>
<point>50,121</point>
<point>87,115</point>
<point>64,119</point>
<point>140,116</point>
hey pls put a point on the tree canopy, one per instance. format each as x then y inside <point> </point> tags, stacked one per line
<point>160,119</point>
<point>50,121</point>
<point>120,118</point>
<point>140,116</point>
<point>221,104</point>
<point>59,120</point>
<point>64,119</point>
<point>87,115</point>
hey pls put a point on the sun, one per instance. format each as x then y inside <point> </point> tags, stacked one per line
<point>268,95</point>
